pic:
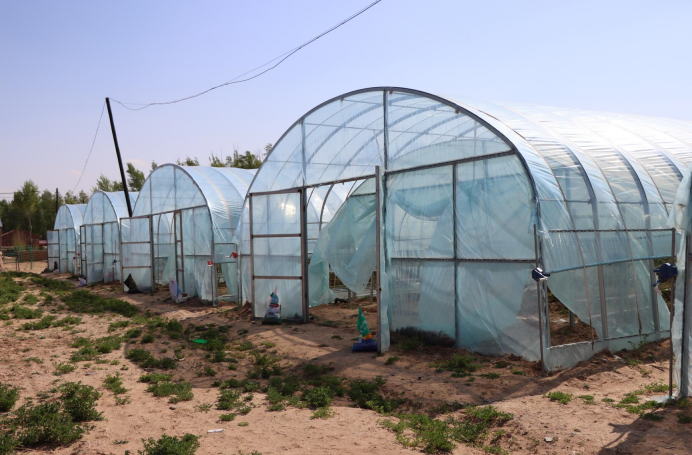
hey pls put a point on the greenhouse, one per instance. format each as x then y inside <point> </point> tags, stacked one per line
<point>182,229</point>
<point>456,202</point>
<point>100,236</point>
<point>63,241</point>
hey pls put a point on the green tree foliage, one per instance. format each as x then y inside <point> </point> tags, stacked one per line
<point>103,183</point>
<point>135,178</point>
<point>71,198</point>
<point>154,166</point>
<point>188,161</point>
<point>27,201</point>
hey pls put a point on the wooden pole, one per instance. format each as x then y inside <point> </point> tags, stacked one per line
<point>120,161</point>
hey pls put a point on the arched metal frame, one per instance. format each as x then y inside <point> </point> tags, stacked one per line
<point>679,133</point>
<point>68,221</point>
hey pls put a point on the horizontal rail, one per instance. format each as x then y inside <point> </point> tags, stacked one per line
<point>125,267</point>
<point>612,230</point>
<point>273,236</point>
<point>522,261</point>
<point>271,277</point>
<point>137,243</point>
<point>271,193</point>
<point>453,162</point>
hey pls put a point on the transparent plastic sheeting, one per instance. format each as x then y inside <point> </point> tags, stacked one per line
<point>136,250</point>
<point>220,192</point>
<point>611,177</point>
<point>681,219</point>
<point>68,220</point>
<point>53,244</point>
<point>102,225</point>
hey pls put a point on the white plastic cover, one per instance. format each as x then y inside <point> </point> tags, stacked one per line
<point>68,221</point>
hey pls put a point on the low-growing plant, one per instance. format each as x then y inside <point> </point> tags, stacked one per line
<point>227,417</point>
<point>114,383</point>
<point>204,407</point>
<point>684,418</point>
<point>587,399</point>
<point>8,397</point>
<point>366,395</point>
<point>82,301</point>
<point>79,401</point>
<point>318,397</point>
<point>63,368</point>
<point>459,365</point>
<point>322,413</point>
<point>148,338</point>
<point>113,326</point>
<point>171,445</point>
<point>45,423</point>
<point>492,375</point>
<point>392,360</point>
<point>560,397</point>
<point>155,378</point>
<point>180,391</point>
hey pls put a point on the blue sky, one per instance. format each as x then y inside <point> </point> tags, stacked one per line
<point>60,59</point>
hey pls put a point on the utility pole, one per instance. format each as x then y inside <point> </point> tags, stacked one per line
<point>120,161</point>
<point>57,204</point>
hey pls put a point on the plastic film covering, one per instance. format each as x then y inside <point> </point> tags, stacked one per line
<point>136,252</point>
<point>464,182</point>
<point>102,226</point>
<point>68,220</point>
<point>171,188</point>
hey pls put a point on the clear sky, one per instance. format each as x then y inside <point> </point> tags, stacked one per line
<point>60,59</point>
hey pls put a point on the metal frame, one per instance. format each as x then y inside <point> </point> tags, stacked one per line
<point>48,256</point>
<point>82,250</point>
<point>115,253</point>
<point>151,251</point>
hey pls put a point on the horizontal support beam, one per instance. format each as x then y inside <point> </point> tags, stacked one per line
<point>522,261</point>
<point>270,277</point>
<point>137,243</point>
<point>273,236</point>
<point>453,162</point>
<point>612,230</point>
<point>137,267</point>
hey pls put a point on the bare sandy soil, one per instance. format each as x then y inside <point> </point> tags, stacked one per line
<point>574,428</point>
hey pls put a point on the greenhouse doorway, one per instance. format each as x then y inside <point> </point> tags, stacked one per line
<point>278,252</point>
<point>111,252</point>
<point>72,249</point>
<point>53,244</point>
<point>92,252</point>
<point>82,250</point>
<point>137,251</point>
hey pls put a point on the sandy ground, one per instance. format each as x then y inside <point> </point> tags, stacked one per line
<point>575,428</point>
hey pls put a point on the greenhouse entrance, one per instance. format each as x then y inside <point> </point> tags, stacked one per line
<point>136,251</point>
<point>278,251</point>
<point>53,244</point>
<point>169,247</point>
<point>93,265</point>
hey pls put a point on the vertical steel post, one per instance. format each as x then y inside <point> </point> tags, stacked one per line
<point>457,335</point>
<point>252,258</point>
<point>378,265</point>
<point>672,315</point>
<point>151,253</point>
<point>538,297</point>
<point>120,161</point>
<point>304,254</point>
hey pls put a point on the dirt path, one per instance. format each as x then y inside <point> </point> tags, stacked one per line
<point>27,360</point>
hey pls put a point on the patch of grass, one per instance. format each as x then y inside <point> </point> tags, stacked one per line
<point>181,391</point>
<point>435,436</point>
<point>322,413</point>
<point>492,375</point>
<point>313,370</point>
<point>245,346</point>
<point>119,401</point>
<point>652,416</point>
<point>243,424</point>
<point>44,323</point>
<point>133,333</point>
<point>392,360</point>
<point>501,364</point>
<point>82,301</point>
<point>36,360</point>
<point>656,387</point>
<point>560,397</point>
<point>148,338</point>
<point>684,418</point>
<point>329,324</point>
<point>44,424</point>
<point>587,399</point>
<point>79,401</point>
<point>518,372</point>
<point>318,397</point>
<point>146,360</point>
<point>204,407</point>
<point>607,400</point>
<point>207,371</point>
<point>22,312</point>
<point>459,365</point>
<point>268,344</point>
<point>113,326</point>
<point>30,299</point>
<point>155,378</point>
<point>8,397</point>
<point>114,383</point>
<point>227,417</point>
<point>366,395</point>
<point>171,445</point>
<point>63,368</point>
<point>10,291</point>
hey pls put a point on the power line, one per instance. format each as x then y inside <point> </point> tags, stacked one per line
<point>92,147</point>
<point>283,57</point>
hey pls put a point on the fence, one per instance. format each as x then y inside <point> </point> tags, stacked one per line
<point>15,259</point>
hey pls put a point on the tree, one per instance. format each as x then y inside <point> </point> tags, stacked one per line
<point>216,161</point>
<point>267,149</point>
<point>26,200</point>
<point>103,183</point>
<point>188,161</point>
<point>245,161</point>
<point>135,179</point>
<point>154,166</point>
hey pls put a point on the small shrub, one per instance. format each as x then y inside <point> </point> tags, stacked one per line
<point>207,371</point>
<point>181,391</point>
<point>63,368</point>
<point>82,301</point>
<point>366,395</point>
<point>587,399</point>
<point>114,383</point>
<point>22,312</point>
<point>314,370</point>
<point>227,417</point>
<point>79,401</point>
<point>171,445</point>
<point>8,397</point>
<point>119,401</point>
<point>45,424</point>
<point>318,397</point>
<point>148,338</point>
<point>155,378</point>
<point>607,400</point>
<point>204,407</point>
<point>652,416</point>
<point>322,413</point>
<point>243,424</point>
<point>138,355</point>
<point>560,397</point>
<point>656,387</point>
<point>228,400</point>
<point>245,346</point>
<point>459,365</point>
<point>684,418</point>
<point>118,325</point>
<point>392,360</point>
<point>492,375</point>
<point>518,372</point>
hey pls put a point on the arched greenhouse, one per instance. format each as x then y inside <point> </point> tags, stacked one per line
<point>100,236</point>
<point>182,228</point>
<point>457,201</point>
<point>63,241</point>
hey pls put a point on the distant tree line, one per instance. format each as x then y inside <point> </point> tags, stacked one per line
<point>34,211</point>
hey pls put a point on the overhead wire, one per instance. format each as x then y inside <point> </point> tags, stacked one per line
<point>92,147</point>
<point>283,57</point>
